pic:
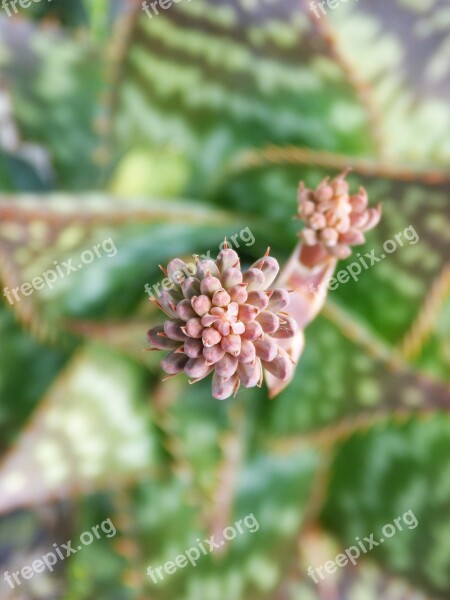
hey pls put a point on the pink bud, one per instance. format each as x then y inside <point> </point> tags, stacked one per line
<point>176,270</point>
<point>253,331</point>
<point>324,192</point>
<point>207,267</point>
<point>168,304</point>
<point>224,388</point>
<point>173,330</point>
<point>238,327</point>
<point>343,224</point>
<point>359,201</point>
<point>228,259</point>
<point>340,185</point>
<point>270,267</point>
<point>231,277</point>
<point>197,368</point>
<point>190,287</point>
<point>268,321</point>
<point>258,299</point>
<point>226,367</point>
<point>193,347</point>
<point>210,319</point>
<point>210,285</point>
<point>341,251</point>
<point>238,294</point>
<point>213,354</point>
<point>201,304</point>
<point>255,279</point>
<point>232,344</point>
<point>309,236</point>
<point>248,352</point>
<point>317,221</point>
<point>288,328</point>
<point>329,236</point>
<point>248,313</point>
<point>250,374</point>
<point>281,366</point>
<point>266,348</point>
<point>211,337</point>
<point>374,218</point>
<point>221,298</point>
<point>185,311</point>
<point>232,309</point>
<point>160,342</point>
<point>194,328</point>
<point>278,300</point>
<point>224,328</point>
<point>174,363</point>
<point>354,237</point>
<point>306,208</point>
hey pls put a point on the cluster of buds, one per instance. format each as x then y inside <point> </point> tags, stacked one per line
<point>224,321</point>
<point>334,219</point>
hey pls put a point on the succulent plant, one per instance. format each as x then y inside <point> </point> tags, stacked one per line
<point>334,219</point>
<point>225,321</point>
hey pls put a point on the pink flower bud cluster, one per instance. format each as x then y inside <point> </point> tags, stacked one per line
<point>227,322</point>
<point>334,219</point>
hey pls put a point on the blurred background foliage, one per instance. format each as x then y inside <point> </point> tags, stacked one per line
<point>165,135</point>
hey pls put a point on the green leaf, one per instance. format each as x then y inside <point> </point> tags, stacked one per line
<point>400,51</point>
<point>211,79</point>
<point>385,473</point>
<point>92,431</point>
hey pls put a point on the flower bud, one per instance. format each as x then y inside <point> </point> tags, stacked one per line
<point>174,363</point>
<point>255,279</point>
<point>231,277</point>
<point>190,287</point>
<point>287,329</point>
<point>201,305</point>
<point>194,328</point>
<point>214,354</point>
<point>279,300</point>
<point>193,347</point>
<point>238,294</point>
<point>268,321</point>
<point>224,388</point>
<point>197,368</point>
<point>281,366</point>
<point>173,330</point>
<point>228,259</point>
<point>209,285</point>
<point>207,267</point>
<point>185,310</point>
<point>232,344</point>
<point>226,367</point>
<point>266,348</point>
<point>248,352</point>
<point>253,331</point>
<point>211,337</point>
<point>221,298</point>
<point>159,340</point>
<point>248,313</point>
<point>258,299</point>
<point>250,374</point>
